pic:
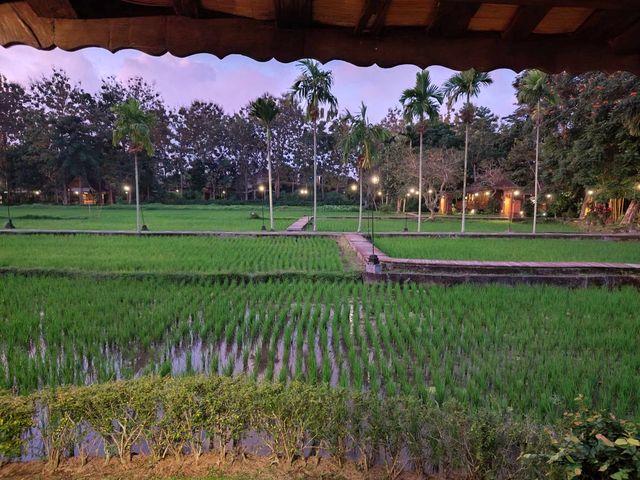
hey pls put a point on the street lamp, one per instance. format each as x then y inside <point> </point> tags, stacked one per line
<point>127,189</point>
<point>262,189</point>
<point>406,214</point>
<point>303,193</point>
<point>373,258</point>
<point>516,193</point>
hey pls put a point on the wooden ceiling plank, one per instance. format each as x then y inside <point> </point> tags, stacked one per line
<point>452,19</point>
<point>53,8</point>
<point>373,16</point>
<point>188,8</point>
<point>293,13</point>
<point>596,4</point>
<point>525,20</point>
<point>628,41</point>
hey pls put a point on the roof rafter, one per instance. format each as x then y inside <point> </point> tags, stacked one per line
<point>628,41</point>
<point>293,13</point>
<point>452,18</point>
<point>188,8</point>
<point>525,20</point>
<point>373,16</point>
<point>53,8</point>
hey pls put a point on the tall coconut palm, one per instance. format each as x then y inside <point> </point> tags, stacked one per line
<point>313,86</point>
<point>534,91</point>
<point>421,103</point>
<point>466,85</point>
<point>361,139</point>
<point>265,110</point>
<point>133,128</point>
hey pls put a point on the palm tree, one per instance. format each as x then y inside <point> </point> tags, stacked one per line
<point>466,85</point>
<point>313,86</point>
<point>133,127</point>
<point>420,103</point>
<point>534,91</point>
<point>361,139</point>
<point>264,110</point>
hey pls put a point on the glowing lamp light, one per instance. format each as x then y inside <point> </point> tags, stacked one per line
<point>516,193</point>
<point>548,195</point>
<point>261,188</point>
<point>430,191</point>
<point>476,194</point>
<point>375,180</point>
<point>379,193</point>
<point>521,213</point>
<point>412,190</point>
<point>37,192</point>
<point>473,211</point>
<point>353,187</point>
<point>127,188</point>
<point>408,194</point>
<point>487,193</point>
<point>224,192</point>
<point>177,191</point>
<point>590,192</point>
<point>638,186</point>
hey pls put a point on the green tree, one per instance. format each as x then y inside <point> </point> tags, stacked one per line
<point>361,139</point>
<point>534,91</point>
<point>421,103</point>
<point>133,128</point>
<point>313,86</point>
<point>466,85</point>
<point>264,110</point>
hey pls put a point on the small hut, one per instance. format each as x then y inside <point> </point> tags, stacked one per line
<point>81,192</point>
<point>496,196</point>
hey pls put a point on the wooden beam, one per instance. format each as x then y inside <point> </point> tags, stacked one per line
<point>525,20</point>
<point>628,41</point>
<point>605,24</point>
<point>373,16</point>
<point>262,40</point>
<point>53,8</point>
<point>452,19</point>
<point>293,13</point>
<point>597,4</point>
<point>187,8</point>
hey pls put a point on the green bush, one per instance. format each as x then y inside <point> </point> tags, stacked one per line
<point>173,416</point>
<point>594,446</point>
<point>16,418</point>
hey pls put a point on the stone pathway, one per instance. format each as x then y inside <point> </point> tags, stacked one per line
<point>300,224</point>
<point>448,272</point>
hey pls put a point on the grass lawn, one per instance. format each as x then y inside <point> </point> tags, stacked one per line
<point>533,349</point>
<point>156,216</point>
<point>437,225</point>
<point>171,254</point>
<point>511,249</point>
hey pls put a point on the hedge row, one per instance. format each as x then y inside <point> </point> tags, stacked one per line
<point>191,415</point>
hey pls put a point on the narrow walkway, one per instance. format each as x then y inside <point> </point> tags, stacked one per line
<point>574,274</point>
<point>299,225</point>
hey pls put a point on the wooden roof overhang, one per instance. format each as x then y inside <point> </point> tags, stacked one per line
<point>553,35</point>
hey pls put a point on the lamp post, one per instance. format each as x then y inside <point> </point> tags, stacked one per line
<point>373,258</point>
<point>406,214</point>
<point>261,189</point>
<point>303,193</point>
<point>127,190</point>
<point>516,193</point>
<point>9,225</point>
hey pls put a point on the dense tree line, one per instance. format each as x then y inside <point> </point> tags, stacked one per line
<point>53,132</point>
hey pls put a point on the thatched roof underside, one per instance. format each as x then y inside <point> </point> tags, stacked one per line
<point>554,35</point>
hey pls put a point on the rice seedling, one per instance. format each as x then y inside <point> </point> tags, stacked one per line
<point>187,255</point>
<point>511,249</point>
<point>532,349</point>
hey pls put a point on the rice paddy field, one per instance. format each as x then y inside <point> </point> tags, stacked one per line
<point>511,249</point>
<point>395,224</point>
<point>532,349</point>
<point>185,255</point>
<point>157,217</point>
<point>238,218</point>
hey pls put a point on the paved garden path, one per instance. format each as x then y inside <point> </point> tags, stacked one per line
<point>299,225</point>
